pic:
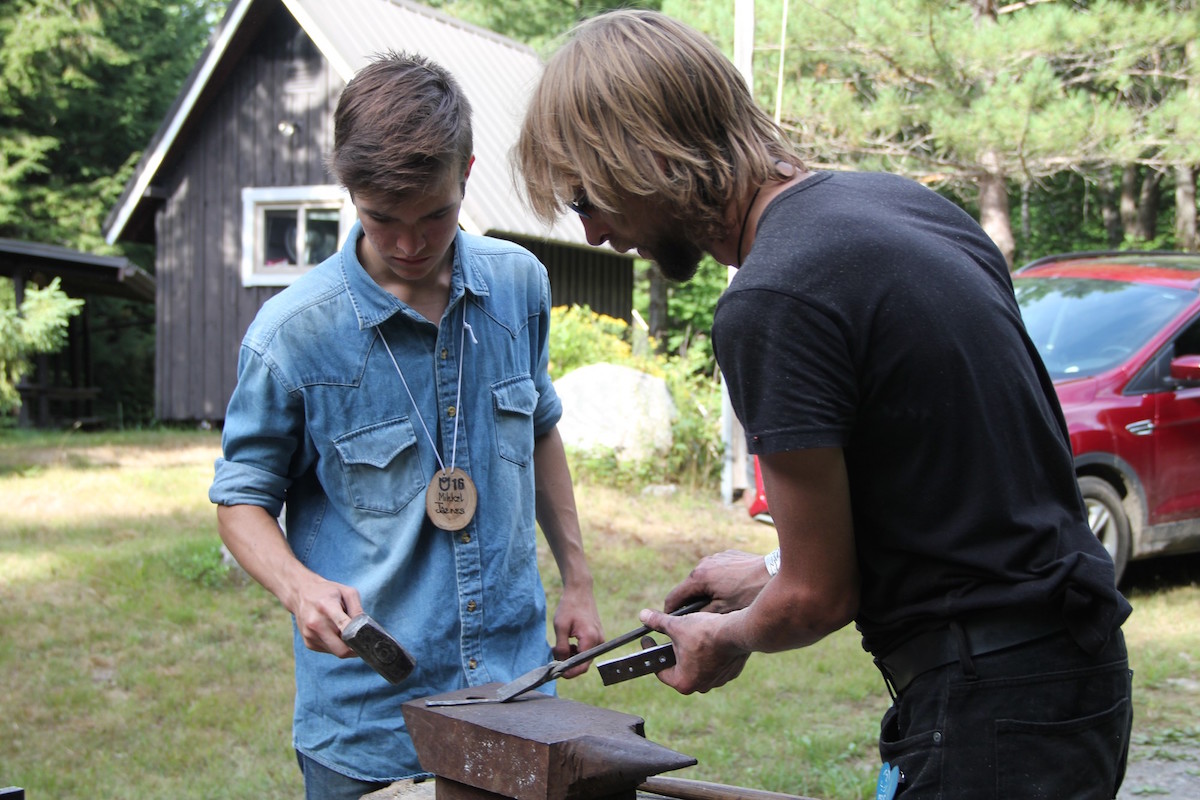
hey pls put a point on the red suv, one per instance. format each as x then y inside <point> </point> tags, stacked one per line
<point>1120,335</point>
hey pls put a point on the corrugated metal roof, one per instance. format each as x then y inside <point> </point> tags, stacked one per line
<point>497,75</point>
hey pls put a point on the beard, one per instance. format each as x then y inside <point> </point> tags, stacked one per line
<point>676,257</point>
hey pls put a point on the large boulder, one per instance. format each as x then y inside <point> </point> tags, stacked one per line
<point>610,407</point>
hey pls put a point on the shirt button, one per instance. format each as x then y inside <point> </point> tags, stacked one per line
<point>465,538</point>
<point>471,605</point>
<point>451,411</point>
<point>472,664</point>
<point>445,353</point>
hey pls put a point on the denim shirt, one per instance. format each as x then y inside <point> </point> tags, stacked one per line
<point>320,419</point>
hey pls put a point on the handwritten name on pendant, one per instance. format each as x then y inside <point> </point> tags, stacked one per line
<point>450,499</point>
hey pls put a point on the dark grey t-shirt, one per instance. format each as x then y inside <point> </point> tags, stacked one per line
<point>876,316</point>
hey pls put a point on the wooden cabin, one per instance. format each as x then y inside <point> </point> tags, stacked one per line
<point>233,193</point>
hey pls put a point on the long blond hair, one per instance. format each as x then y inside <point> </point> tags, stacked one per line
<point>638,104</point>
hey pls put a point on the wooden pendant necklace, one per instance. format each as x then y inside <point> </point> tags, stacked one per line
<point>451,497</point>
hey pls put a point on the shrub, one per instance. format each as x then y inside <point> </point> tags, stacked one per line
<point>579,337</point>
<point>38,326</point>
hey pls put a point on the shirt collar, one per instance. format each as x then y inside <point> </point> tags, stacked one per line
<point>373,304</point>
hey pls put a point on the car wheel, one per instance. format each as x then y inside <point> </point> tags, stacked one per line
<point>1107,517</point>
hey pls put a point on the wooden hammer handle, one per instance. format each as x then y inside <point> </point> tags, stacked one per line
<point>686,789</point>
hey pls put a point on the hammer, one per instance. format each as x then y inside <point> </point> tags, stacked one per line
<point>374,645</point>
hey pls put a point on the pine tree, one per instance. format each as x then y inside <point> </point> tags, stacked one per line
<point>84,85</point>
<point>975,95</point>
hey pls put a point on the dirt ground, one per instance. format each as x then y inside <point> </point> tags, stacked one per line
<point>1162,772</point>
<point>1170,771</point>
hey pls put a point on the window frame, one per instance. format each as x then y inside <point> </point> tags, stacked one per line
<point>256,201</point>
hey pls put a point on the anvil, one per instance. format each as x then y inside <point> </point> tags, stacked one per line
<point>534,747</point>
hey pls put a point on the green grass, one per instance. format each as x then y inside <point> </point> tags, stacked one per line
<point>133,664</point>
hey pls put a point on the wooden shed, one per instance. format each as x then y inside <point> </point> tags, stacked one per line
<point>233,193</point>
<point>63,387</point>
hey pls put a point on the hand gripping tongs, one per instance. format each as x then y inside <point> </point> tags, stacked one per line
<point>540,675</point>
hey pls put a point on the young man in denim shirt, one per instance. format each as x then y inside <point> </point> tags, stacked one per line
<point>415,355</point>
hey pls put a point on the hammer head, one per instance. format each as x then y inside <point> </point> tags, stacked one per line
<point>376,646</point>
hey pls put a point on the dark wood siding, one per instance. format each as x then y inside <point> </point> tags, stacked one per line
<point>203,309</point>
<point>599,279</point>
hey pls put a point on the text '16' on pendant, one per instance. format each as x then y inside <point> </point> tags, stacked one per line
<point>450,499</point>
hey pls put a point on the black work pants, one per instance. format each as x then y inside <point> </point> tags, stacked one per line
<point>1039,720</point>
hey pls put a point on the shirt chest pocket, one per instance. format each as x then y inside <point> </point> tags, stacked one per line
<point>380,465</point>
<point>513,404</point>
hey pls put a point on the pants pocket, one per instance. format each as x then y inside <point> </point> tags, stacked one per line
<point>918,756</point>
<point>1080,758</point>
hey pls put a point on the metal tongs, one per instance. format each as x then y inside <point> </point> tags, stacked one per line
<point>540,675</point>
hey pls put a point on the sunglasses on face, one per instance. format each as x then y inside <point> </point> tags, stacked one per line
<point>581,205</point>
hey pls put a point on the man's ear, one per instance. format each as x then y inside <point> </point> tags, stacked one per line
<point>467,174</point>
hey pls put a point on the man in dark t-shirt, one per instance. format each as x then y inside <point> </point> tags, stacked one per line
<point>914,455</point>
<point>903,346</point>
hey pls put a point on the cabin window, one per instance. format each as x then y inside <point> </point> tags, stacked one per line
<point>288,230</point>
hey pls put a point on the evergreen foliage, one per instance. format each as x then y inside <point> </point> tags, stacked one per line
<point>84,84</point>
<point>952,93</point>
<point>537,23</point>
<point>38,326</point>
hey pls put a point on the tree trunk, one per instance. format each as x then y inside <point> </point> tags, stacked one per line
<point>994,213</point>
<point>1148,202</point>
<point>658,305</point>
<point>984,10</point>
<point>1026,220</point>
<point>1129,201</point>
<point>1186,237</point>
<point>1185,209</point>
<point>1110,215</point>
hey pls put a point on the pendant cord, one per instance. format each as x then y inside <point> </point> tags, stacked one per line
<point>457,401</point>
<point>462,340</point>
<point>745,219</point>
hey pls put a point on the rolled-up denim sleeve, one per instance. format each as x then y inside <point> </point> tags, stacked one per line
<point>264,426</point>
<point>549,407</point>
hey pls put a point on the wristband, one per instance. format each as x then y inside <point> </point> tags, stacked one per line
<point>771,560</point>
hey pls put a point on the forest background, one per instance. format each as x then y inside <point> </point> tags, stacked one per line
<point>1060,124</point>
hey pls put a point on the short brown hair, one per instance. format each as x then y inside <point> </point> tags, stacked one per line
<point>637,104</point>
<point>401,123</point>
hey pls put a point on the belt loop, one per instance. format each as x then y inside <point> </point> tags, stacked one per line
<point>964,650</point>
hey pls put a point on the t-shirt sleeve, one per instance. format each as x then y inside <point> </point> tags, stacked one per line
<point>788,369</point>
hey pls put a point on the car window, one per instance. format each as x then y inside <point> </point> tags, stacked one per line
<point>1082,327</point>
<point>1188,342</point>
<point>1156,375</point>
